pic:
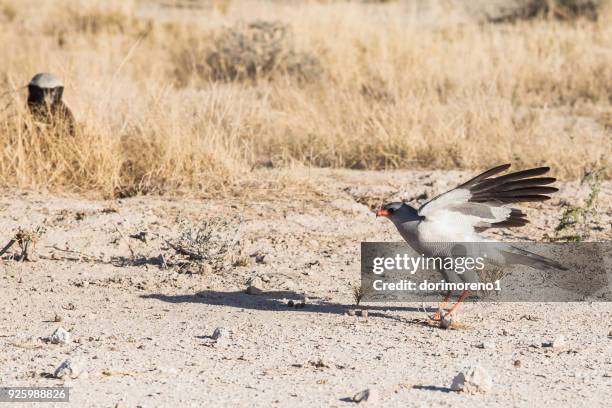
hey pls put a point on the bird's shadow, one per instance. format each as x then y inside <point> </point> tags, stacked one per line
<point>277,301</point>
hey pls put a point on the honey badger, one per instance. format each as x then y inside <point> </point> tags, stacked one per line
<point>45,102</point>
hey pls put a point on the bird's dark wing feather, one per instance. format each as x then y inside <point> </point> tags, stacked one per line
<point>482,196</point>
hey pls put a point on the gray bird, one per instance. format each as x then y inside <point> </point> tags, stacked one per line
<point>458,216</point>
<point>45,102</point>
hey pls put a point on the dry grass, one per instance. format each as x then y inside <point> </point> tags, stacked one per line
<point>392,90</point>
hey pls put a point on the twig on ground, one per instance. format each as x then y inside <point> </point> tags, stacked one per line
<point>125,240</point>
<point>81,256</point>
<point>7,246</point>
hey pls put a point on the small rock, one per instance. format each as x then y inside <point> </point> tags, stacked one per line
<point>368,395</point>
<point>300,305</point>
<point>121,404</point>
<point>265,278</point>
<point>255,286</point>
<point>290,303</point>
<point>472,380</point>
<point>70,370</point>
<point>57,318</point>
<point>558,343</point>
<point>518,363</point>
<point>260,259</point>
<point>219,333</point>
<point>60,336</point>
<point>486,345</point>
<point>350,312</point>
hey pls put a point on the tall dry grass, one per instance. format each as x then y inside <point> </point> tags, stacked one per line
<point>388,86</point>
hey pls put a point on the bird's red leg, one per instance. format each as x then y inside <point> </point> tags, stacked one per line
<point>453,309</point>
<point>438,314</point>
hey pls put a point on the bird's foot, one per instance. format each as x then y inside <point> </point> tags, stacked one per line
<point>437,316</point>
<point>446,321</point>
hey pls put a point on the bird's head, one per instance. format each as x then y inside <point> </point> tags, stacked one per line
<point>387,210</point>
<point>398,212</point>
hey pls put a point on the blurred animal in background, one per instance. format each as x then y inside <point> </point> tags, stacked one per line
<point>45,103</point>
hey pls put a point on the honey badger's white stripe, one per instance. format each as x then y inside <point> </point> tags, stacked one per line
<point>45,80</point>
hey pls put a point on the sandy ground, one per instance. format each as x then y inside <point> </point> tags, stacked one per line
<point>141,332</point>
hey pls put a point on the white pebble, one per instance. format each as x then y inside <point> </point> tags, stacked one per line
<point>486,345</point>
<point>60,336</point>
<point>70,370</point>
<point>472,380</point>
<point>368,395</point>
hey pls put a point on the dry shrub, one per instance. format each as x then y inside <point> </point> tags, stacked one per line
<point>214,241</point>
<point>247,51</point>
<point>498,11</point>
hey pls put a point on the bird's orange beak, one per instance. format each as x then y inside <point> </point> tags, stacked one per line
<point>382,213</point>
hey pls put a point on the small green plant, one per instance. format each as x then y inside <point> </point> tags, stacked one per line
<point>358,292</point>
<point>576,219</point>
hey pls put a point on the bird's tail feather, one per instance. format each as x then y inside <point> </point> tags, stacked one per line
<point>522,257</point>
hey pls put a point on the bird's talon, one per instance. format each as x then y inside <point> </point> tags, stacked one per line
<point>437,316</point>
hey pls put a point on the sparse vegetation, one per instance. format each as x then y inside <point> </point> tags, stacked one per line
<point>27,240</point>
<point>359,291</point>
<point>491,274</point>
<point>214,242</point>
<point>579,219</point>
<point>170,106</point>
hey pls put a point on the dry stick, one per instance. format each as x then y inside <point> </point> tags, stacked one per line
<point>125,240</point>
<point>183,251</point>
<point>7,247</point>
<point>82,256</point>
